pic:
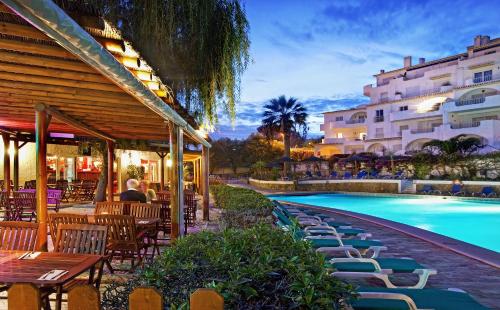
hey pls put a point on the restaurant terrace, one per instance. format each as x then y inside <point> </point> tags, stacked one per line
<point>75,75</point>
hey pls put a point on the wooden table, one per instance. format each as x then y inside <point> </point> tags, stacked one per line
<point>139,222</point>
<point>14,270</point>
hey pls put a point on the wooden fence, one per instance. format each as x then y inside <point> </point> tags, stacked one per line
<point>25,296</point>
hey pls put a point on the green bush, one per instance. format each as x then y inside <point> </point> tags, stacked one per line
<point>241,207</point>
<point>257,268</point>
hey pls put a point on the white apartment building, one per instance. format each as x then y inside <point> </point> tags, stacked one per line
<point>409,106</point>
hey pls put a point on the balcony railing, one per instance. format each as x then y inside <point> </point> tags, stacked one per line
<point>470,101</point>
<point>424,130</point>
<point>355,121</point>
<point>378,119</point>
<point>465,125</point>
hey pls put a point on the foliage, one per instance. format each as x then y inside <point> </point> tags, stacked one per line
<point>199,47</point>
<point>257,268</point>
<point>258,169</point>
<point>241,207</point>
<point>458,146</point>
<point>135,172</point>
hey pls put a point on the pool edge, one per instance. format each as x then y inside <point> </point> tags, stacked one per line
<point>469,250</point>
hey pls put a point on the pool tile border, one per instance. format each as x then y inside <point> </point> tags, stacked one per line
<point>483,255</point>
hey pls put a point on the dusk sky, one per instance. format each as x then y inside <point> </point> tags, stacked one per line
<point>324,51</point>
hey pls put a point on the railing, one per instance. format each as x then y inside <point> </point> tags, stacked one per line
<point>333,140</point>
<point>379,136</point>
<point>465,125</point>
<point>470,101</point>
<point>425,130</point>
<point>27,296</point>
<point>378,119</point>
<point>355,121</point>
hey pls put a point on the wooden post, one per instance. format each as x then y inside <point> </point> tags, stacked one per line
<point>162,169</point>
<point>145,298</point>
<point>111,160</point>
<point>176,181</point>
<point>195,175</point>
<point>41,177</point>
<point>205,182</point>
<point>23,296</point>
<point>206,299</point>
<point>84,297</point>
<point>16,164</point>
<point>6,163</point>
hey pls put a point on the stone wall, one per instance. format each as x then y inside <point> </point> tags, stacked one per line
<point>469,186</point>
<point>350,186</point>
<point>273,185</point>
<point>471,169</point>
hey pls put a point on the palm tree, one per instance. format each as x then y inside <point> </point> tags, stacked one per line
<point>459,145</point>
<point>284,116</point>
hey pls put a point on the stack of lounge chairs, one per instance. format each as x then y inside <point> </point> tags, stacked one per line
<point>457,189</point>
<point>360,259</point>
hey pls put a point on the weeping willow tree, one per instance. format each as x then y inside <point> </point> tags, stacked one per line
<point>200,48</point>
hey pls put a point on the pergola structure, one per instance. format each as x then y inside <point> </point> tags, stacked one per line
<point>65,75</point>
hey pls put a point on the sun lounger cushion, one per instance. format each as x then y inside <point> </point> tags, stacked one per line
<point>398,265</point>
<point>424,299</point>
<point>358,244</point>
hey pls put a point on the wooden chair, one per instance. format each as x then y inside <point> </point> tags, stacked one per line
<point>163,196</point>
<point>123,237</point>
<point>56,219</point>
<point>4,206</point>
<point>63,186</point>
<point>109,207</point>
<point>190,208</point>
<point>81,239</point>
<point>165,224</point>
<point>149,211</point>
<point>18,236</point>
<point>145,210</point>
<point>31,184</point>
<point>24,206</point>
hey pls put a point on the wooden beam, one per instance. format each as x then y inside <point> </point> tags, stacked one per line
<point>176,181</point>
<point>59,82</point>
<point>162,169</point>
<point>35,48</point>
<point>41,178</point>
<point>41,61</point>
<point>6,163</point>
<point>111,160</point>
<point>205,181</point>
<point>73,122</point>
<point>23,31</point>
<point>52,72</point>
<point>7,131</point>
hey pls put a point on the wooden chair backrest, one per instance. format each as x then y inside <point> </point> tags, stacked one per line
<point>56,219</point>
<point>121,228</point>
<point>81,239</point>
<point>163,196</point>
<point>109,207</point>
<point>25,200</point>
<point>189,199</point>
<point>145,210</point>
<point>18,236</point>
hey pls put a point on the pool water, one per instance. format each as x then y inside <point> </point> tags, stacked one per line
<point>472,221</point>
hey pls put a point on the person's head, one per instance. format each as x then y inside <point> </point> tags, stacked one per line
<point>144,185</point>
<point>132,184</point>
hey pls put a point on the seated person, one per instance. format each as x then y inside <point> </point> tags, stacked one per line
<point>149,192</point>
<point>132,194</point>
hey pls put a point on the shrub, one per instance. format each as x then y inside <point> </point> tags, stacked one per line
<point>241,207</point>
<point>257,268</point>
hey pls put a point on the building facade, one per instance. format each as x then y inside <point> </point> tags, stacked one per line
<point>412,105</point>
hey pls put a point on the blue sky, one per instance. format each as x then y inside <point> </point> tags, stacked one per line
<point>324,51</point>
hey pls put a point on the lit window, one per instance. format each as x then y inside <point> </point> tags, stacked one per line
<point>340,135</point>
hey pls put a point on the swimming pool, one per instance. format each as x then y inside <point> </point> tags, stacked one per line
<point>472,221</point>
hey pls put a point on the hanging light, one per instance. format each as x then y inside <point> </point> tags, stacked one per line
<point>169,160</point>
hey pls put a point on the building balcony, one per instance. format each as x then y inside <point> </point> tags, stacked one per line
<point>482,103</point>
<point>407,115</point>
<point>378,119</point>
<point>355,121</point>
<point>483,79</point>
<point>333,141</point>
<point>424,130</point>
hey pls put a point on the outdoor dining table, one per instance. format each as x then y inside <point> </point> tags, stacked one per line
<point>139,222</point>
<point>14,270</point>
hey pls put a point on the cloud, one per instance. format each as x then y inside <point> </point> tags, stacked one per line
<point>294,33</point>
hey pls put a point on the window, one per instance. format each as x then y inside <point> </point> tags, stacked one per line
<point>403,108</point>
<point>340,135</point>
<point>379,116</point>
<point>362,136</point>
<point>384,96</point>
<point>484,76</point>
<point>401,129</point>
<point>379,132</point>
<point>339,118</point>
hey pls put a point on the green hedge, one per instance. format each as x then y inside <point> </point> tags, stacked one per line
<point>241,207</point>
<point>257,268</point>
